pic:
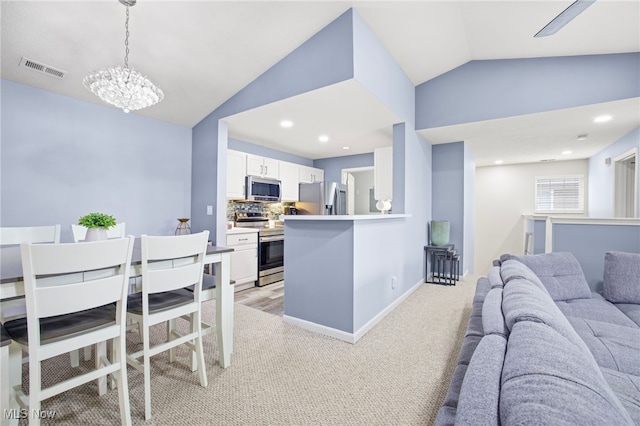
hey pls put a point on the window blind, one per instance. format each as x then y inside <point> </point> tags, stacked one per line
<point>559,194</point>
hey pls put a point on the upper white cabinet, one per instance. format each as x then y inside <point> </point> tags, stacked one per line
<point>310,174</point>
<point>289,177</point>
<point>262,166</point>
<point>383,174</point>
<point>236,172</point>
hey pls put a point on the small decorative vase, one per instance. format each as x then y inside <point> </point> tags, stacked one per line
<point>183,227</point>
<point>96,234</point>
<point>439,232</point>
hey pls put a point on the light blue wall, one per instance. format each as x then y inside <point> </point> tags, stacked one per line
<point>333,166</point>
<point>303,70</point>
<point>468,240</point>
<point>601,176</point>
<point>63,158</point>
<point>448,189</point>
<point>375,69</point>
<point>322,296</point>
<point>539,235</point>
<point>590,242</point>
<point>412,181</point>
<point>263,151</point>
<point>484,90</point>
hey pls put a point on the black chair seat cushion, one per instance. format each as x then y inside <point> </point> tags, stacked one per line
<point>4,336</point>
<point>63,325</point>
<point>159,301</point>
<point>208,281</point>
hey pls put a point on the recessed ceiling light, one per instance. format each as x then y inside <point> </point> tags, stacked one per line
<point>567,152</point>
<point>286,123</point>
<point>323,138</point>
<point>345,147</point>
<point>602,119</point>
<point>582,137</point>
<point>499,161</point>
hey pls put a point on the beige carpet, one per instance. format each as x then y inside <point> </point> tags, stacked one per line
<point>397,374</point>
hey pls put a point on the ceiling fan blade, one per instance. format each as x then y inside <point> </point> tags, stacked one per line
<point>575,9</point>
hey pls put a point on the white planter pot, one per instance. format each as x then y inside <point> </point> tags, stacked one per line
<point>96,234</point>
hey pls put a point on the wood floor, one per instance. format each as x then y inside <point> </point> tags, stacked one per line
<point>269,298</point>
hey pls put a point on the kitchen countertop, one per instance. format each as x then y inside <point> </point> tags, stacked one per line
<point>351,217</point>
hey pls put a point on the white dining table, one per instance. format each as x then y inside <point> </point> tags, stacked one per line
<point>12,286</point>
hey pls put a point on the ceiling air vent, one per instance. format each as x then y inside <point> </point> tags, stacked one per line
<point>43,68</point>
<point>547,160</point>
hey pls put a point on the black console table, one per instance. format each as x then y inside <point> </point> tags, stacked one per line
<point>444,264</point>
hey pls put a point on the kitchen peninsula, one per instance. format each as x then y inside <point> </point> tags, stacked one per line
<point>344,273</point>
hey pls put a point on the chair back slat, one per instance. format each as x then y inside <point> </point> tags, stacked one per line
<point>79,232</point>
<point>82,295</point>
<point>29,234</point>
<point>72,257</point>
<point>173,247</point>
<point>159,280</point>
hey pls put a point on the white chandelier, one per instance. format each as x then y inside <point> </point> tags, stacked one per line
<point>124,87</point>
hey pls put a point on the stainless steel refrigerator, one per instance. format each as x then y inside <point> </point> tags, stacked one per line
<point>322,198</point>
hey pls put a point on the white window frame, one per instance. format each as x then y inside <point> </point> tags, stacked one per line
<point>578,210</point>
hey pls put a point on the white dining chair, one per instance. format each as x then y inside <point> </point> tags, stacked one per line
<point>76,296</point>
<point>29,234</point>
<point>169,266</point>
<point>79,232</point>
<point>9,236</point>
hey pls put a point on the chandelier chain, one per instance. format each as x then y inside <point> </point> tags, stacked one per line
<point>126,40</point>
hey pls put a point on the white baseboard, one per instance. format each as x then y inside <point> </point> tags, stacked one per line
<point>344,335</point>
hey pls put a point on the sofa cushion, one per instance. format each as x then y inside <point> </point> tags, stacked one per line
<point>631,310</point>
<point>627,389</point>
<point>492,318</point>
<point>513,269</point>
<point>480,392</point>
<point>622,277</point>
<point>523,300</point>
<point>482,288</point>
<point>453,393</point>
<point>613,346</point>
<point>560,273</point>
<point>597,308</point>
<point>469,345</point>
<point>547,379</point>
<point>495,280</point>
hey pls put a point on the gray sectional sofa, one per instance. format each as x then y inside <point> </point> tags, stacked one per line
<point>541,348</point>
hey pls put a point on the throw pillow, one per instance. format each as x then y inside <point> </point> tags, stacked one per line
<point>622,277</point>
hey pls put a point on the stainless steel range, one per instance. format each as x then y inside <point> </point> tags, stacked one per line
<point>270,246</point>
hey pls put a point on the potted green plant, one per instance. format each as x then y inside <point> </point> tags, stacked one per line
<point>97,225</point>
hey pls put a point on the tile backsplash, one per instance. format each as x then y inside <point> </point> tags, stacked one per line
<point>273,210</point>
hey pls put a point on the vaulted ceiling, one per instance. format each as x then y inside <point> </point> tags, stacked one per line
<point>202,52</point>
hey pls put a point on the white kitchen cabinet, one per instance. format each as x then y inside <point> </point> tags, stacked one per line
<point>236,172</point>
<point>383,173</point>
<point>289,177</point>
<point>310,174</point>
<point>244,258</point>
<point>263,166</point>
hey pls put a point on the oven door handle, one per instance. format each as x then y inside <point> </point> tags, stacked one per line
<point>269,239</point>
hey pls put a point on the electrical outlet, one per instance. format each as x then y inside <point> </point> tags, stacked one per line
<point>394,282</point>
<point>209,210</point>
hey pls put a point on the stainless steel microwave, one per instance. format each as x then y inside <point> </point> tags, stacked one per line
<point>263,189</point>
